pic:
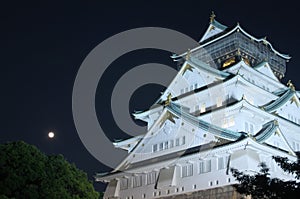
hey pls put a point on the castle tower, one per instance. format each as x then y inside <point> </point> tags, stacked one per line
<point>225,108</point>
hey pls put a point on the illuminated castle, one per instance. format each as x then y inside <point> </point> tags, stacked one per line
<point>225,108</point>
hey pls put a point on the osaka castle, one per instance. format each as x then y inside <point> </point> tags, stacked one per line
<point>225,108</point>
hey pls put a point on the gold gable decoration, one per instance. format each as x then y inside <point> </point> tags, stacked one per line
<point>228,62</point>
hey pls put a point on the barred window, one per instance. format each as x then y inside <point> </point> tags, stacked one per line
<point>154,148</point>
<point>205,166</point>
<point>187,170</point>
<point>137,181</point>
<point>124,183</point>
<point>151,177</point>
<point>222,162</point>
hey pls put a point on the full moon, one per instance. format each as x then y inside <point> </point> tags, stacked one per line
<point>51,134</point>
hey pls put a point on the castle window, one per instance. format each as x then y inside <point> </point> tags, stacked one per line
<point>171,143</point>
<point>187,170</point>
<point>144,195</point>
<point>154,148</point>
<point>249,128</point>
<point>205,166</point>
<point>223,162</point>
<point>161,146</point>
<point>137,181</point>
<point>203,108</point>
<point>183,140</point>
<point>196,86</point>
<point>177,142</point>
<point>166,145</point>
<point>124,182</point>
<point>196,107</point>
<point>219,101</point>
<point>151,177</point>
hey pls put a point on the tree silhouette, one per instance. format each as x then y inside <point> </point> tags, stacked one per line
<point>262,186</point>
<point>25,172</point>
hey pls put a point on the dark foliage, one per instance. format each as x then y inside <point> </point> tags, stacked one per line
<point>261,186</point>
<point>25,172</point>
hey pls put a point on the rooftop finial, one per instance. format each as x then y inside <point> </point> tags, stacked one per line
<point>291,85</point>
<point>212,17</point>
<point>169,99</point>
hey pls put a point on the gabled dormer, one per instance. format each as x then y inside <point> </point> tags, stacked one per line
<point>213,29</point>
<point>264,68</point>
<point>271,135</point>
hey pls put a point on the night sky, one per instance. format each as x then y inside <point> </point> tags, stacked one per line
<point>44,43</point>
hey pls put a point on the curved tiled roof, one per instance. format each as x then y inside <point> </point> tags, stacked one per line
<point>280,101</point>
<point>236,28</point>
<point>267,130</point>
<point>216,130</point>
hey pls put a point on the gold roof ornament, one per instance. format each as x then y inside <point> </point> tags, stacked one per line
<point>169,99</point>
<point>168,116</point>
<point>188,55</point>
<point>265,41</point>
<point>291,85</point>
<point>294,99</point>
<point>187,67</point>
<point>212,17</point>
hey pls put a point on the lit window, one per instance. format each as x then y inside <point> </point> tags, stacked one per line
<point>203,108</point>
<point>231,121</point>
<point>219,101</point>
